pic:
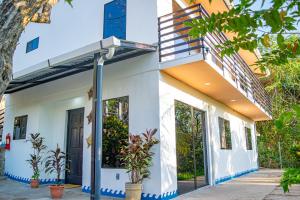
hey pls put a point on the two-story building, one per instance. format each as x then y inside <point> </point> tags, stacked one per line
<point>203,105</point>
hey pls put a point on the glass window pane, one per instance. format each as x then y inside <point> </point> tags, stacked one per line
<point>20,127</point>
<point>190,147</point>
<point>225,134</point>
<point>228,134</point>
<point>115,130</point>
<point>32,45</point>
<point>248,138</point>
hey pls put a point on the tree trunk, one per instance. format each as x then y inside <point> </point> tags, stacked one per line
<point>14,16</point>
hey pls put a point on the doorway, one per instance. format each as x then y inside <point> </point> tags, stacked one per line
<point>190,148</point>
<point>75,146</point>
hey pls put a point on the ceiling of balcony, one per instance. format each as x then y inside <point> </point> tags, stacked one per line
<point>203,77</point>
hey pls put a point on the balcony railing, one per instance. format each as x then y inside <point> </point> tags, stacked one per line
<point>175,42</point>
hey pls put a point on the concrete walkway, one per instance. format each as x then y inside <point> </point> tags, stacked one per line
<point>12,190</point>
<point>262,185</point>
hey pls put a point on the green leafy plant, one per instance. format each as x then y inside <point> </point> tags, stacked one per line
<point>283,86</point>
<point>250,26</point>
<point>290,176</point>
<point>55,163</point>
<point>296,151</point>
<point>137,155</point>
<point>35,158</point>
<point>115,135</point>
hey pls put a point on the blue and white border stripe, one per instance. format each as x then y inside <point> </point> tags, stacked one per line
<point>121,194</point>
<point>27,180</point>
<point>228,178</point>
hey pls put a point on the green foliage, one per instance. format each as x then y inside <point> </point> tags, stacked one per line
<point>188,175</point>
<point>35,160</point>
<point>137,155</point>
<point>36,175</point>
<point>69,2</point>
<point>55,163</point>
<point>115,136</point>
<point>189,141</point>
<point>272,28</point>
<point>296,151</point>
<point>283,86</point>
<point>290,176</point>
<point>252,28</point>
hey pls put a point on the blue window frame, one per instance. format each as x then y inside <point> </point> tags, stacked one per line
<point>32,45</point>
<point>115,19</point>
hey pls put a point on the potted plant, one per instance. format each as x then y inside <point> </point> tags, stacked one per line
<point>55,163</point>
<point>137,158</point>
<point>35,160</point>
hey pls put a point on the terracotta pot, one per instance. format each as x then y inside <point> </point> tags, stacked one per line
<point>133,191</point>
<point>34,183</point>
<point>56,191</point>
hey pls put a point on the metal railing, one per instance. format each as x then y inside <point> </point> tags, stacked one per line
<point>175,42</point>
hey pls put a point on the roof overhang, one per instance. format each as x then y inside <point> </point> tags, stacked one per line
<point>76,61</point>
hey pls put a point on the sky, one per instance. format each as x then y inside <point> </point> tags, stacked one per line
<point>267,4</point>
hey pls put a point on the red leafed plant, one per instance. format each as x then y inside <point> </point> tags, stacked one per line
<point>55,163</point>
<point>137,155</point>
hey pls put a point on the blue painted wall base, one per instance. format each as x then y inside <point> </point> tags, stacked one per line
<point>27,180</point>
<point>228,178</point>
<point>121,194</point>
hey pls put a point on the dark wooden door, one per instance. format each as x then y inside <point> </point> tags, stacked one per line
<point>74,146</point>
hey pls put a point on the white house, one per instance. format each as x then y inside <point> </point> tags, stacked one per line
<point>203,106</point>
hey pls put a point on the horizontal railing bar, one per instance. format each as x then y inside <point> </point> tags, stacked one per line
<point>176,31</point>
<point>238,70</point>
<point>232,72</point>
<point>181,10</point>
<point>180,44</point>
<point>182,51</point>
<point>177,24</point>
<point>180,16</point>
<point>175,38</point>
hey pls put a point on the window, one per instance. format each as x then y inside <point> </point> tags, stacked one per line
<point>115,19</point>
<point>225,133</point>
<point>32,45</point>
<point>20,127</point>
<point>248,138</point>
<point>190,130</point>
<point>115,130</point>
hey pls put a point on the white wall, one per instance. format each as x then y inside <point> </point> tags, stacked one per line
<point>226,162</point>
<point>46,106</point>
<point>70,28</point>
<point>151,96</point>
<point>74,27</point>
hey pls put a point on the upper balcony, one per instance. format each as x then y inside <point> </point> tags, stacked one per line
<point>197,62</point>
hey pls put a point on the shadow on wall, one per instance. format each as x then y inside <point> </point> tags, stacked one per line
<point>168,149</point>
